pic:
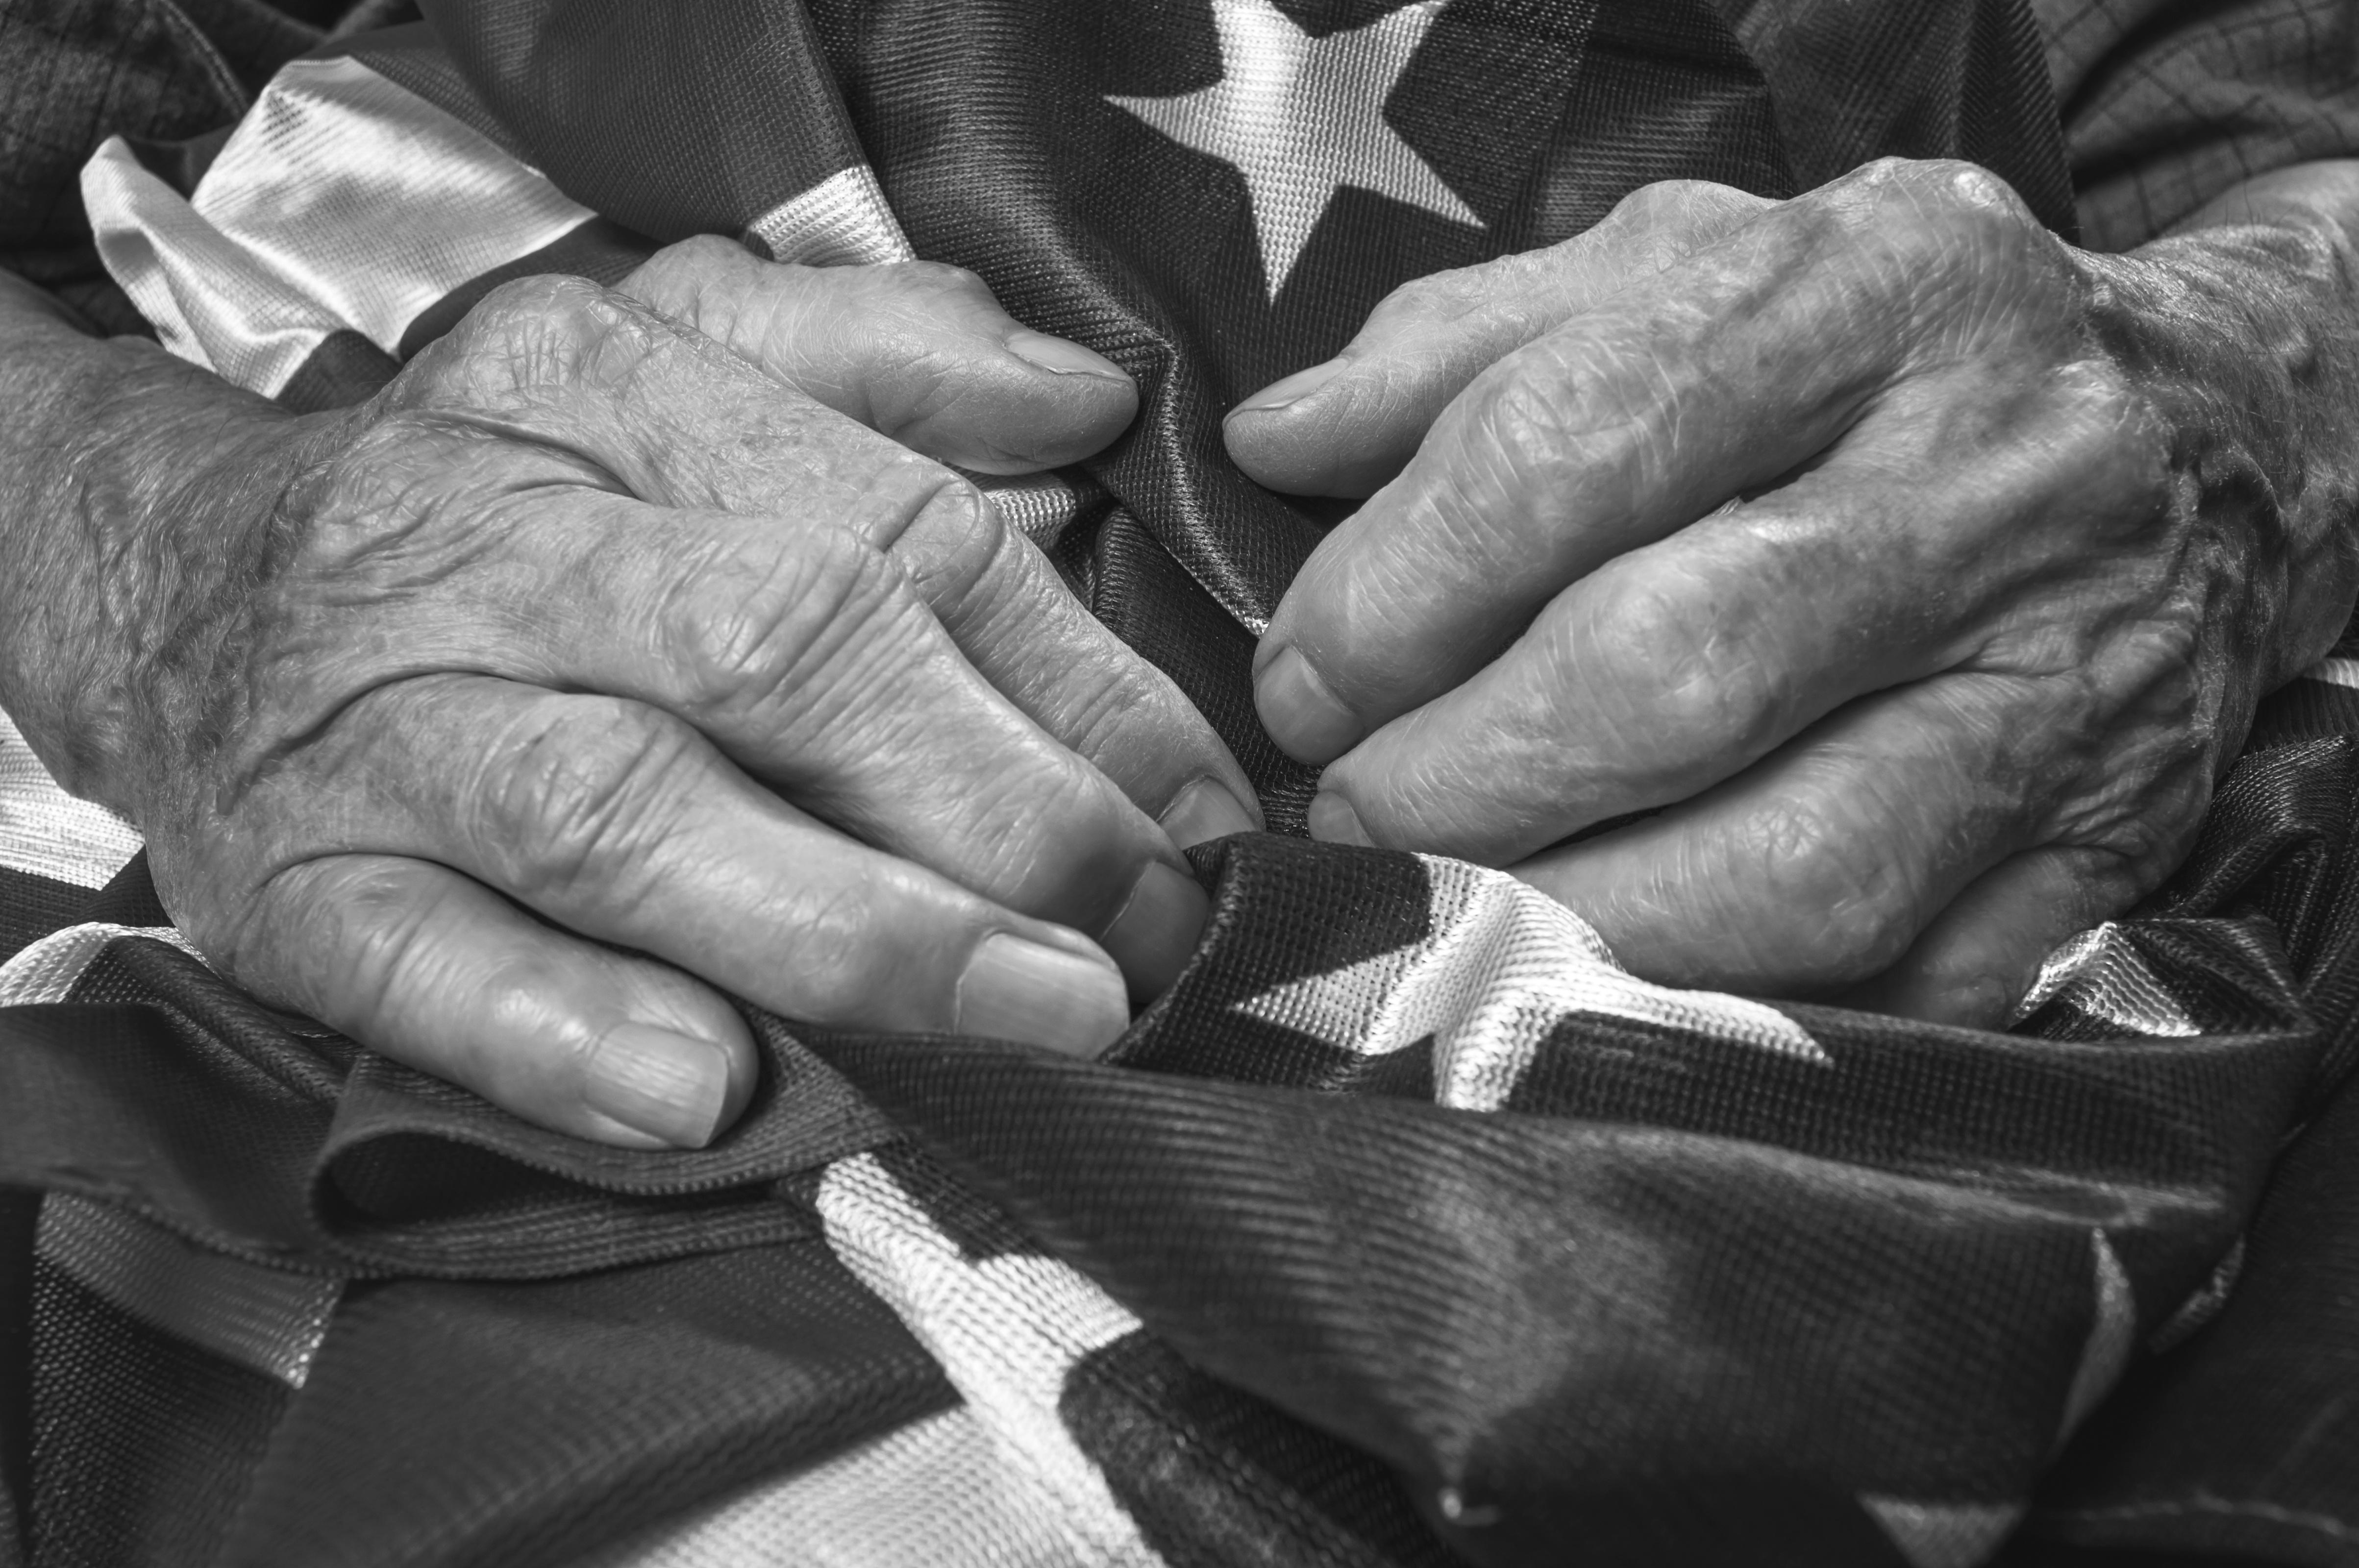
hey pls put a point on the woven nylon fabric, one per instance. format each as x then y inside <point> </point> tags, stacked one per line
<point>1929,81</point>
<point>142,1442</point>
<point>952,1499</point>
<point>1003,134</point>
<point>267,1320</point>
<point>1093,170</point>
<point>2223,1451</point>
<point>535,1424</point>
<point>1690,1289</point>
<point>222,1121</point>
<point>1407,1229</point>
<point>670,121</point>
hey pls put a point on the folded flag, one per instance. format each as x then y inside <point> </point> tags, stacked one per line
<point>1408,1228</point>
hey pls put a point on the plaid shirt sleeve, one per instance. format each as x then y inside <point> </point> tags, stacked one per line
<point>2167,103</point>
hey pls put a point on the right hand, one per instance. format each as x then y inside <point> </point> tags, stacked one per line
<point>592,665</point>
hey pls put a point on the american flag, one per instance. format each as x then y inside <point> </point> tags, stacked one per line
<point>1408,1229</point>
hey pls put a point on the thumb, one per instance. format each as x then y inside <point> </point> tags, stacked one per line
<point>916,350</point>
<point>1346,427</point>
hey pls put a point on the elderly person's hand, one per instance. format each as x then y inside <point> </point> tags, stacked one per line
<point>1918,571</point>
<point>591,657</point>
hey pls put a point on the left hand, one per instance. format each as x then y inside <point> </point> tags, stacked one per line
<point>1920,571</point>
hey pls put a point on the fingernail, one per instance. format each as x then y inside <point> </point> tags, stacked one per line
<point>1016,989</point>
<point>1292,389</point>
<point>1061,356</point>
<point>1333,821</point>
<point>1204,811</point>
<point>1301,715</point>
<point>1156,932</point>
<point>667,1086</point>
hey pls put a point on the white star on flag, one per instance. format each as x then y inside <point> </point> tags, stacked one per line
<point>1500,964</point>
<point>1302,118</point>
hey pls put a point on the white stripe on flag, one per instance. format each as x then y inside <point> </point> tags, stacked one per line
<point>48,970</point>
<point>1007,1331</point>
<point>342,202</point>
<point>48,832</point>
<point>2335,672</point>
<point>843,221</point>
<point>931,1494</point>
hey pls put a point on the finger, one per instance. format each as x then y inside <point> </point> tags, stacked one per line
<point>434,970</point>
<point>1677,664</point>
<point>661,419</point>
<point>577,385</point>
<point>1018,624</point>
<point>1818,867</point>
<point>1347,425</point>
<point>917,350</point>
<point>691,607</point>
<point>1980,956</point>
<point>1664,672</point>
<point>809,660</point>
<point>622,824</point>
<point>1003,603</point>
<point>1625,425</point>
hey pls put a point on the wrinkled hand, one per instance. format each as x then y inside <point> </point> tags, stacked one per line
<point>591,657</point>
<point>1919,571</point>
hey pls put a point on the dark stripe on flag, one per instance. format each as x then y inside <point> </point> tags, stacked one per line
<point>2246,1439</point>
<point>32,906</point>
<point>670,125</point>
<point>2304,710</point>
<point>344,370</point>
<point>143,1442</point>
<point>180,164</point>
<point>1214,1476</point>
<point>528,1425</point>
<point>599,250</point>
<point>412,57</point>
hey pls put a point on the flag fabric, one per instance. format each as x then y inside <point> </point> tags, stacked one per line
<point>1408,1229</point>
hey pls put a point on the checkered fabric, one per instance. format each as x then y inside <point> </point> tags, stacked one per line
<point>1408,1229</point>
<point>2166,105</point>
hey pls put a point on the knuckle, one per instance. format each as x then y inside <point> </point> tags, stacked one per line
<point>1525,428</point>
<point>530,312</point>
<point>934,277</point>
<point>1672,661</point>
<point>1939,184</point>
<point>1677,202</point>
<point>840,941</point>
<point>579,794</point>
<point>757,632</point>
<point>701,250</point>
<point>1439,297</point>
<point>551,331</point>
<point>675,277</point>
<point>336,936</point>
<point>1047,842</point>
<point>376,928</point>
<point>1927,218</point>
<point>951,542</point>
<point>1113,709</point>
<point>1863,913</point>
<point>1652,201</point>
